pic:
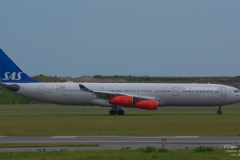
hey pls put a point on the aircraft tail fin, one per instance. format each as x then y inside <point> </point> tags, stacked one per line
<point>10,72</point>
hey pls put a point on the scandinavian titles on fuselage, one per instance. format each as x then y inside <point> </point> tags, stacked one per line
<point>201,88</point>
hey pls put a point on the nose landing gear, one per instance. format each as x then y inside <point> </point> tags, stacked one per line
<point>219,110</point>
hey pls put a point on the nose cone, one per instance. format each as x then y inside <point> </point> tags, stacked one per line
<point>238,96</point>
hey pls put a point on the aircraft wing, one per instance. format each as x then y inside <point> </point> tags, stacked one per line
<point>107,95</point>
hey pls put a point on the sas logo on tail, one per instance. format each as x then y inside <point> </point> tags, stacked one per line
<point>13,76</point>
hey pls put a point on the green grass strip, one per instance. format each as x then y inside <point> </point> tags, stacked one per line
<point>125,154</point>
<point>29,145</point>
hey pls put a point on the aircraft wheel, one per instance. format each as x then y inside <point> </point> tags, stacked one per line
<point>219,112</point>
<point>120,112</point>
<point>112,112</point>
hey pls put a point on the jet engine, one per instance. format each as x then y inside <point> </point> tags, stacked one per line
<point>121,100</point>
<point>147,104</point>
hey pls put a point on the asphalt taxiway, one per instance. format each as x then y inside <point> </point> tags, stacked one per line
<point>118,142</point>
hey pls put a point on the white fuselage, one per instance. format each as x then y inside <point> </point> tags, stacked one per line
<point>169,94</point>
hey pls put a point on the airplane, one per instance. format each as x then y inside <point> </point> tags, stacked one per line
<point>148,96</point>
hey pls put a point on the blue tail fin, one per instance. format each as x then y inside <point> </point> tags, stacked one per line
<point>10,72</point>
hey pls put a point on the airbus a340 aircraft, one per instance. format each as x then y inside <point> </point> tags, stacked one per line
<point>147,96</point>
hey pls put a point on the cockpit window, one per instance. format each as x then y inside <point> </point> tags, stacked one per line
<point>236,91</point>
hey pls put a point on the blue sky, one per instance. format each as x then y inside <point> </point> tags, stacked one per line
<point>122,37</point>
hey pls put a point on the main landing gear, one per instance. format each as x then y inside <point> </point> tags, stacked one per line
<point>115,111</point>
<point>219,110</point>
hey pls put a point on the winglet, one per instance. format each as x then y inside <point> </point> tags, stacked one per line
<point>82,87</point>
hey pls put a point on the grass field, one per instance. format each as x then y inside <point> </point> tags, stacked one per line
<point>35,119</point>
<point>12,98</point>
<point>219,154</point>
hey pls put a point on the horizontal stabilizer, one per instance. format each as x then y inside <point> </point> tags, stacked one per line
<point>12,87</point>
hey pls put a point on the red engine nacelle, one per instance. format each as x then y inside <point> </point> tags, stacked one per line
<point>121,100</point>
<point>147,104</point>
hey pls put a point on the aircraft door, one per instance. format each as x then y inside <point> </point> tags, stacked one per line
<point>223,92</point>
<point>40,89</point>
<point>175,91</point>
<point>175,99</point>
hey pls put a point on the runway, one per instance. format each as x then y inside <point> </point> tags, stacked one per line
<point>118,142</point>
